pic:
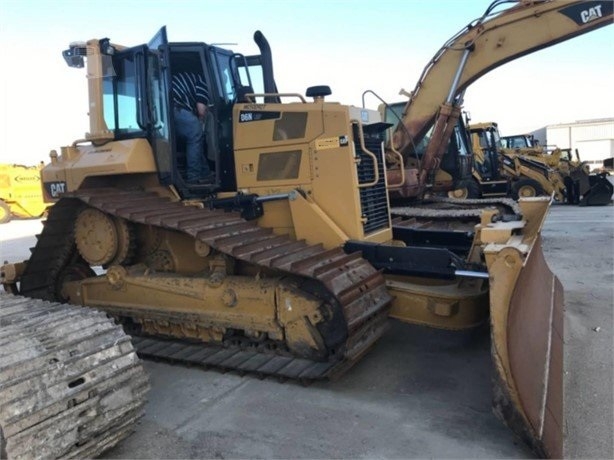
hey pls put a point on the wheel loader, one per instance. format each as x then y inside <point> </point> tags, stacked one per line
<point>554,157</point>
<point>21,192</point>
<point>289,264</point>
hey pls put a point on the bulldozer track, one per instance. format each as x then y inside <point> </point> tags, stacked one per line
<point>71,384</point>
<point>348,280</point>
<point>246,361</point>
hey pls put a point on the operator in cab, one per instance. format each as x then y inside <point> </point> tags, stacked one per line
<point>190,99</point>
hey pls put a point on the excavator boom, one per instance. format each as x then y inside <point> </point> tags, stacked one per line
<point>485,44</point>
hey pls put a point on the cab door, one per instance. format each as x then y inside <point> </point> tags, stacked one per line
<point>165,59</point>
<point>162,134</point>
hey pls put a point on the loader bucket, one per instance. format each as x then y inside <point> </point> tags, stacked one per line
<point>600,192</point>
<point>526,308</point>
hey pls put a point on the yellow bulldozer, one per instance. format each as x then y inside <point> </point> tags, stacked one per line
<point>21,192</point>
<point>288,262</point>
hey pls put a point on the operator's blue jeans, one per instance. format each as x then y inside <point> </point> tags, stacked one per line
<point>189,128</point>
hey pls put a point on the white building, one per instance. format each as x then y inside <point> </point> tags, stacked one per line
<point>594,139</point>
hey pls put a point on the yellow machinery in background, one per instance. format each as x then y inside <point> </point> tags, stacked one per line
<point>582,186</point>
<point>504,168</point>
<point>501,174</point>
<point>21,192</point>
<point>427,123</point>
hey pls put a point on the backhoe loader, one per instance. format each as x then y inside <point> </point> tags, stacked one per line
<point>582,186</point>
<point>499,172</point>
<point>528,171</point>
<point>289,263</point>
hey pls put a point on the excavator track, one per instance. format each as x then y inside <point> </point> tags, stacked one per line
<point>449,222</point>
<point>458,208</point>
<point>71,385</point>
<point>348,280</point>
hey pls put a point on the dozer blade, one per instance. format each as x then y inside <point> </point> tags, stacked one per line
<point>526,307</point>
<point>600,193</point>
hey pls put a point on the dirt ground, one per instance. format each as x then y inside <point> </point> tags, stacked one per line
<point>419,393</point>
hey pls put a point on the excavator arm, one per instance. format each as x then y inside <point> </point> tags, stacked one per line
<point>485,44</point>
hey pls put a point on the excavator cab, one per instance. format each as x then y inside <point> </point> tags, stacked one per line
<point>456,162</point>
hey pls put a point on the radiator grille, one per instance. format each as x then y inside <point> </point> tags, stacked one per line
<point>373,200</point>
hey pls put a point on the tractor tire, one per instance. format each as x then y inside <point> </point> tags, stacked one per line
<point>5,213</point>
<point>525,188</point>
<point>466,189</point>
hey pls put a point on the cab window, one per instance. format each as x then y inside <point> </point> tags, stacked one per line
<point>224,76</point>
<point>121,101</point>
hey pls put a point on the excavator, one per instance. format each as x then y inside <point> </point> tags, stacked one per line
<point>288,264</point>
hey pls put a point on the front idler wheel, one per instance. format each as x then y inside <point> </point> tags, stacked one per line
<point>74,272</point>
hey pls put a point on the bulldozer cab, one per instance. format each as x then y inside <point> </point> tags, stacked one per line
<point>138,102</point>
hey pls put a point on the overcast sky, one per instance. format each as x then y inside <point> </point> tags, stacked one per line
<point>351,46</point>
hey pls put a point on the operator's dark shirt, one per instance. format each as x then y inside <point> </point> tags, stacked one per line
<point>188,89</point>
